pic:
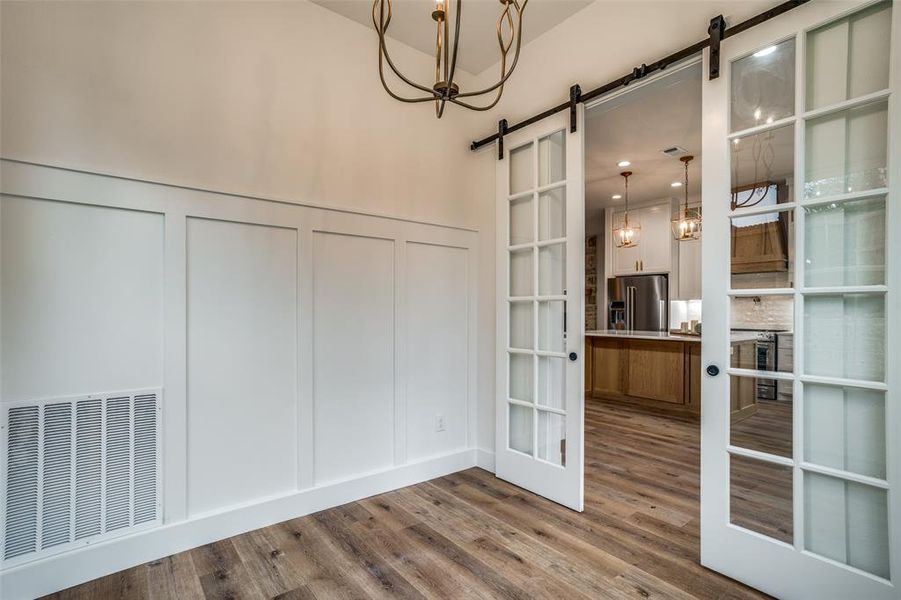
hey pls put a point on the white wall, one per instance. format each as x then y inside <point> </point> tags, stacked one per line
<point>82,308</point>
<point>242,333</point>
<point>270,99</point>
<point>304,353</point>
<point>353,354</point>
<point>434,277</point>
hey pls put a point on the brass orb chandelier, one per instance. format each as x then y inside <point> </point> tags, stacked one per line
<point>445,89</point>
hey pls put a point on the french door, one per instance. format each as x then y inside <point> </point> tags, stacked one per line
<point>801,427</point>
<point>540,329</point>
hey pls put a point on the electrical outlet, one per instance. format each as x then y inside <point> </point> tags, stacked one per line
<point>440,425</point>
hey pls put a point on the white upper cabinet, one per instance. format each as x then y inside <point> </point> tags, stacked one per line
<point>657,245</point>
<point>653,254</point>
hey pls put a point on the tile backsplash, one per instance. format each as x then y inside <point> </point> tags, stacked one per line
<point>763,312</point>
<point>683,310</point>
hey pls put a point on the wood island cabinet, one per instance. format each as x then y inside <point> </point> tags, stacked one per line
<point>655,370</point>
<point>662,373</point>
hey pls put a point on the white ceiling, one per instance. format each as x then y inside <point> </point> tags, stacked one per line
<point>412,24</point>
<point>636,126</point>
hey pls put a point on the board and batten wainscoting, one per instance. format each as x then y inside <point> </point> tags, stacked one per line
<point>306,356</point>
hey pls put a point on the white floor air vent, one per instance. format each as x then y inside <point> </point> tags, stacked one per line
<point>78,470</point>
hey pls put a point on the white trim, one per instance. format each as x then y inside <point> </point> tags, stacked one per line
<point>763,128</point>
<point>843,474</point>
<point>761,456</point>
<point>823,111</point>
<point>485,459</point>
<point>839,198</point>
<point>306,204</point>
<point>78,566</point>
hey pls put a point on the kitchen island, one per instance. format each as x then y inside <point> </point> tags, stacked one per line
<point>651,368</point>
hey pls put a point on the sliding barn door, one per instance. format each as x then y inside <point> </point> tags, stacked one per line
<point>540,330</point>
<point>801,427</point>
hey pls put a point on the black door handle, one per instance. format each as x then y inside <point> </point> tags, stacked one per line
<point>713,370</point>
<point>573,356</point>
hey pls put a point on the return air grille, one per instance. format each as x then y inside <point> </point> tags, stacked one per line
<point>79,470</point>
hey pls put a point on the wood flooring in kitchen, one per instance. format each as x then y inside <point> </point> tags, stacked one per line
<point>470,535</point>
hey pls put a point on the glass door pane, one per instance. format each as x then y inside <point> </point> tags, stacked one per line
<point>763,86</point>
<point>537,213</point>
<point>849,58</point>
<point>845,243</point>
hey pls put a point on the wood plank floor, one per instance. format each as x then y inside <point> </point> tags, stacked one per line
<point>470,535</point>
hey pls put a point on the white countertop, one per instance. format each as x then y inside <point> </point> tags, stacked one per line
<point>644,335</point>
<point>735,336</point>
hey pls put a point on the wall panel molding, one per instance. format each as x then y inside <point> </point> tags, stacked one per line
<point>183,208</point>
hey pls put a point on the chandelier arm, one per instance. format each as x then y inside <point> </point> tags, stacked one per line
<point>381,26</point>
<point>453,63</point>
<point>505,77</point>
<point>394,95</point>
<point>384,52</point>
<point>401,98</point>
<point>505,48</point>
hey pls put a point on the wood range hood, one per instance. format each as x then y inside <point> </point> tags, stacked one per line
<point>762,247</point>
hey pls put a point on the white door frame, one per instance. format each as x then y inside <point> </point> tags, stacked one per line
<point>782,569</point>
<point>565,484</point>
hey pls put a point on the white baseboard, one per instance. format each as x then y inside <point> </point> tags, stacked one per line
<point>485,459</point>
<point>61,571</point>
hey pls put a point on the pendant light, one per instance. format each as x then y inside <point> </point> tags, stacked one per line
<point>626,235</point>
<point>688,225</point>
<point>446,88</point>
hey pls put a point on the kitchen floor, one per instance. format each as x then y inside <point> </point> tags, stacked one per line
<point>470,535</point>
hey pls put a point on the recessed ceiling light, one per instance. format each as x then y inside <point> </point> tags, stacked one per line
<point>623,163</point>
<point>676,184</point>
<point>616,196</point>
<point>765,52</point>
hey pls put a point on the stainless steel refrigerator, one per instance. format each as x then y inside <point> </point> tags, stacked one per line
<point>638,303</point>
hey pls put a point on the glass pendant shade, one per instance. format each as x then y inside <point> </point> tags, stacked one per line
<point>687,226</point>
<point>626,234</point>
